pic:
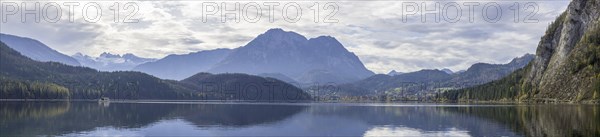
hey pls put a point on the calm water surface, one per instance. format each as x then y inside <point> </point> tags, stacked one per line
<point>306,119</point>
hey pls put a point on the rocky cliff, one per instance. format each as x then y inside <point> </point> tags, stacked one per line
<point>566,67</point>
<point>566,63</point>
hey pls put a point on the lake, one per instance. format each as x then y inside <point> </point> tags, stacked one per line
<point>294,119</point>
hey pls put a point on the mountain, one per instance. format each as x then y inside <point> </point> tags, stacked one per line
<point>111,62</point>
<point>287,54</point>
<point>428,81</point>
<point>566,67</point>
<point>178,67</point>
<point>36,50</point>
<point>481,73</point>
<point>409,83</point>
<point>246,87</point>
<point>23,78</point>
<point>321,59</point>
<point>394,73</point>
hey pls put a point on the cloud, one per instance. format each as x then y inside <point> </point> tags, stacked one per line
<point>374,30</point>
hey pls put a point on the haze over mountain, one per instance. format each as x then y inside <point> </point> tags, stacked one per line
<point>178,67</point>
<point>111,62</point>
<point>280,77</point>
<point>566,67</point>
<point>447,70</point>
<point>321,59</point>
<point>36,50</point>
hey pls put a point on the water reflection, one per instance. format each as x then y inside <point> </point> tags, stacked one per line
<point>222,119</point>
<point>412,132</point>
<point>542,120</point>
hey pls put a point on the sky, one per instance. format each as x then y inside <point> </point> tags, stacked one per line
<point>385,34</point>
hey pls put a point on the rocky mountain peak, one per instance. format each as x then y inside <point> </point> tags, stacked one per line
<point>109,55</point>
<point>277,37</point>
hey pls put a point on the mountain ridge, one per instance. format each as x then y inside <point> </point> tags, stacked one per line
<point>420,84</point>
<point>111,62</point>
<point>36,50</point>
<point>178,67</point>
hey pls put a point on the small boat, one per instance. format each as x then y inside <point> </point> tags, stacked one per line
<point>103,99</point>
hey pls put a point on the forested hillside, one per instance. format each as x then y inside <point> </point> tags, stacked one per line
<point>236,86</point>
<point>23,78</point>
